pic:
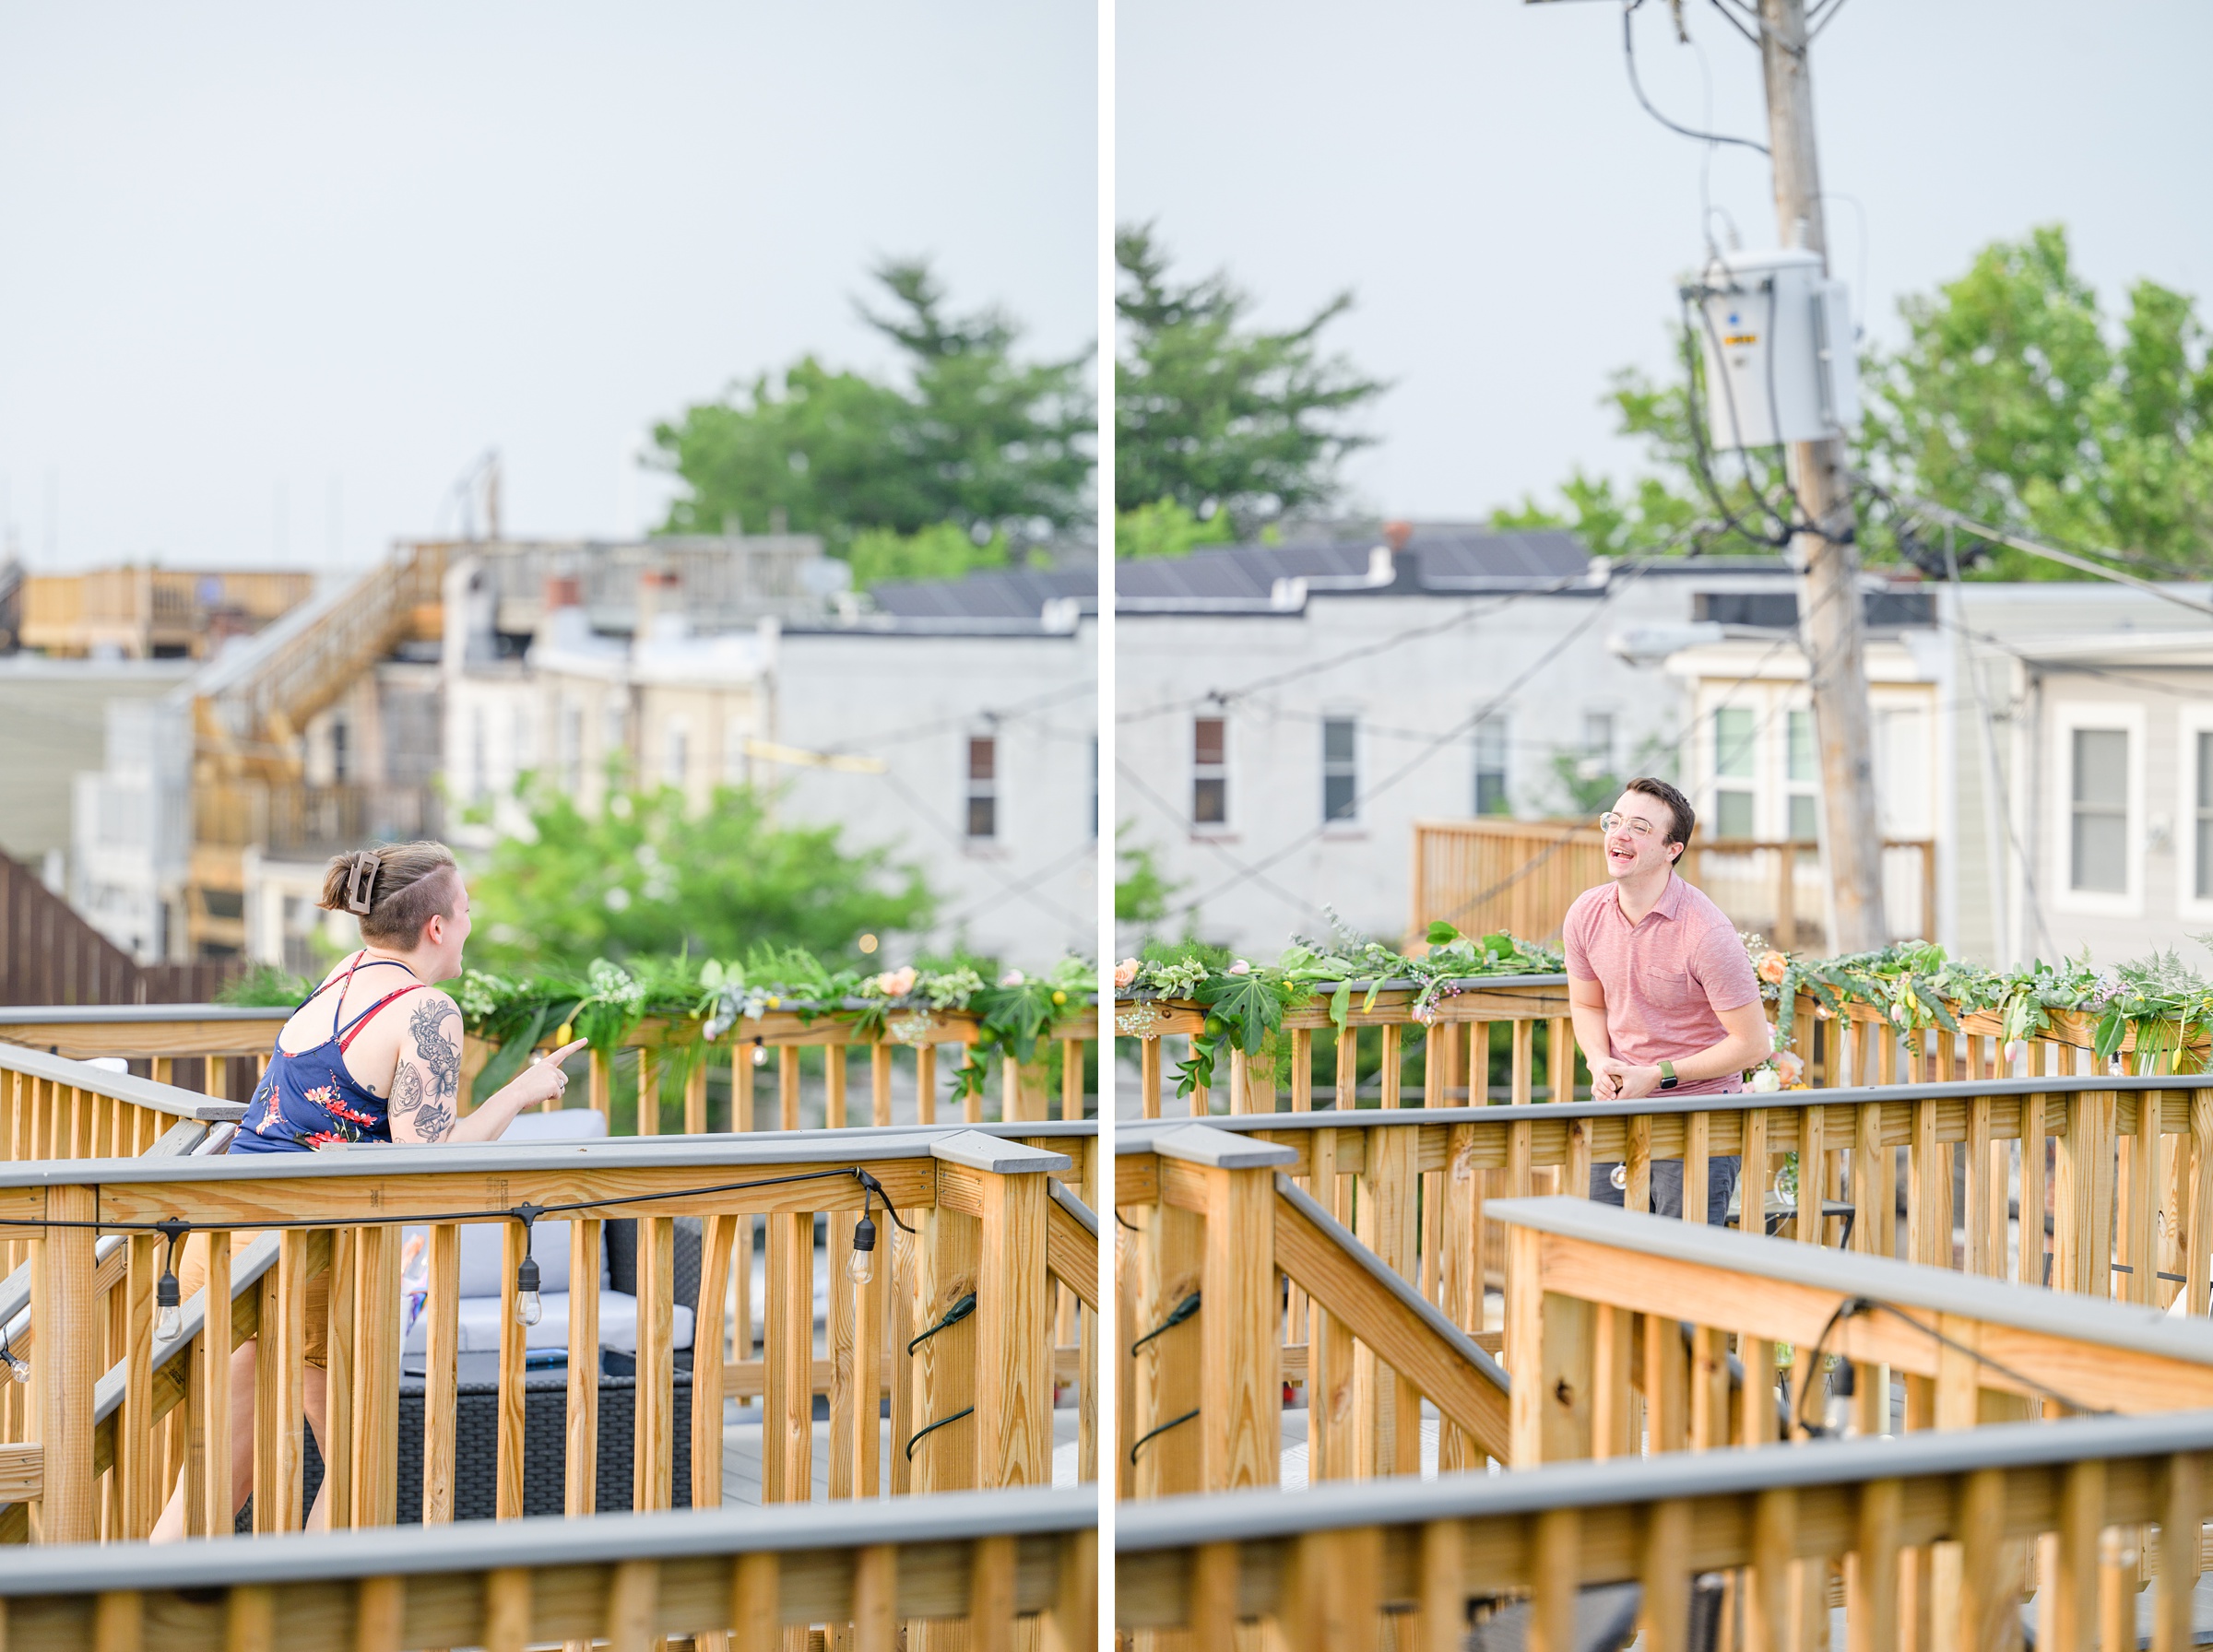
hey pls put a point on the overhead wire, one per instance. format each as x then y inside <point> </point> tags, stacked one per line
<point>1629,56</point>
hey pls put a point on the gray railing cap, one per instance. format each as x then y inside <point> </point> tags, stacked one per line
<point>1742,1100</point>
<point>1203,1144</point>
<point>1245,1516</point>
<point>548,1540</point>
<point>96,1015</point>
<point>1078,1211</point>
<point>711,1154</point>
<point>979,1151</point>
<point>123,1087</point>
<point>2133,1327</point>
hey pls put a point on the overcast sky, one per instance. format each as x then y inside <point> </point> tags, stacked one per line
<point>1515,226</point>
<point>274,271</point>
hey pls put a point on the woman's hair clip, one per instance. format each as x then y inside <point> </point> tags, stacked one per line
<point>360,881</point>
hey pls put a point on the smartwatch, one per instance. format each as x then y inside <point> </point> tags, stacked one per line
<point>1668,1076</point>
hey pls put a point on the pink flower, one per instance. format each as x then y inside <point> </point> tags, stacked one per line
<point>896,984</point>
<point>1239,967</point>
<point>1898,1014</point>
<point>1011,978</point>
<point>1125,975</point>
<point>1790,1064</point>
<point>2015,1050</point>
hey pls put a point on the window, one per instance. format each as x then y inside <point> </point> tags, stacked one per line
<point>480,758</point>
<point>2097,843</point>
<point>1340,770</point>
<point>1734,737</point>
<point>983,787</point>
<point>2203,822</point>
<point>572,748</point>
<point>1802,772</point>
<point>676,761</point>
<point>1598,740</point>
<point>1209,772</point>
<point>337,752</point>
<point>1490,765</point>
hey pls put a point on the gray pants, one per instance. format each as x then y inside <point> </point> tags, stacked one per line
<point>1667,1188</point>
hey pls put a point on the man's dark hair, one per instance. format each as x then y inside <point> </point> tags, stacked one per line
<point>1678,806</point>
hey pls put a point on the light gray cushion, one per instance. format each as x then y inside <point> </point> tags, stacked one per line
<point>479,1325</point>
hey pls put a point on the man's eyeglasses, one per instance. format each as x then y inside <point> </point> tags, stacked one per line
<point>1615,822</point>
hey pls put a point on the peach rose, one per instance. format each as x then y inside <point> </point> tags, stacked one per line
<point>1773,966</point>
<point>1125,975</point>
<point>1790,1064</point>
<point>896,984</point>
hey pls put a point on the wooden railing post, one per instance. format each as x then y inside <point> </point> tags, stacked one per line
<point>1163,1378</point>
<point>1241,1333</point>
<point>787,1347</point>
<point>64,1364</point>
<point>653,1439</point>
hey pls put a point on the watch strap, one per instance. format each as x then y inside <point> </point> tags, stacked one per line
<point>1667,1075</point>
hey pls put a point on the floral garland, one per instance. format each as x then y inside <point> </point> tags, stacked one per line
<point>1245,1003</point>
<point>607,1004</point>
<point>1915,985</point>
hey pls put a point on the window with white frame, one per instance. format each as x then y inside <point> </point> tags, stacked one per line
<point>1490,764</point>
<point>572,748</point>
<point>983,789</point>
<point>2201,814</point>
<point>1209,772</point>
<point>1735,769</point>
<point>1598,741</point>
<point>676,756</point>
<point>1339,769</point>
<point>2098,810</point>
<point>1801,778</point>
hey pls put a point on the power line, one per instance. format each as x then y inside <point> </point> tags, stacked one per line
<point>930,818</point>
<point>1628,57</point>
<point>1997,536</point>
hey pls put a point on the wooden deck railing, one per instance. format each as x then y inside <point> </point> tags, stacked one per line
<point>1626,1327</point>
<point>229,1047</point>
<point>2085,1158</point>
<point>111,1417</point>
<point>981,1565</point>
<point>1339,1569</point>
<point>1513,1026</point>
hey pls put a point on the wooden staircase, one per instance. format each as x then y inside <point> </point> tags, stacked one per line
<point>248,713</point>
<point>50,955</point>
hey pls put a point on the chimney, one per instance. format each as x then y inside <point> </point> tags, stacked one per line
<point>564,591</point>
<point>1396,534</point>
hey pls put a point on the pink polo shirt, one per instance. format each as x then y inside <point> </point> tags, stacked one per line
<point>1664,978</point>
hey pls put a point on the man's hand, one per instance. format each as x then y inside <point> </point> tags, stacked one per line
<point>1606,1075</point>
<point>1637,1083</point>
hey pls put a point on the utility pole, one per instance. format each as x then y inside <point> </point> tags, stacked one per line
<point>1830,622</point>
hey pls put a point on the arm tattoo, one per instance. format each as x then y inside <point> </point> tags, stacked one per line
<point>441,1055</point>
<point>411,1098</point>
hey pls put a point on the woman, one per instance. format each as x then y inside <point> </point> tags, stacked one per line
<point>373,1054</point>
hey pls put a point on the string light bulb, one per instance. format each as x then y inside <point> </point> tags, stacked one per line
<point>860,1262</point>
<point>529,1309</point>
<point>169,1318</point>
<point>760,1053</point>
<point>19,1367</point>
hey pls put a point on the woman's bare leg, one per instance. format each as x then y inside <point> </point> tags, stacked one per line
<point>315,1394</point>
<point>170,1526</point>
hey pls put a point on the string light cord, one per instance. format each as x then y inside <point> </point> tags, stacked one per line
<point>1853,1306</point>
<point>527,1308</point>
<point>1176,1316</point>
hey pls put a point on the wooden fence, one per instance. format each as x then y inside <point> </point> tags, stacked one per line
<point>1355,1568</point>
<point>1632,1333</point>
<point>1487,874</point>
<point>50,955</point>
<point>227,1048</point>
<point>982,1565</point>
<point>2021,1179</point>
<point>957,1327</point>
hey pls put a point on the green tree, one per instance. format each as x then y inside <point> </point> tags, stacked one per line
<point>976,436</point>
<point>2013,401</point>
<point>942,552</point>
<point>647,878</point>
<point>1166,528</point>
<point>1218,415</point>
<point>1140,888</point>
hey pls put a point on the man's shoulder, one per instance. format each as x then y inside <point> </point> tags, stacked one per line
<point>1586,906</point>
<point>1698,909</point>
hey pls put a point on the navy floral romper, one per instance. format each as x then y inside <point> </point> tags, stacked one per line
<point>308,1099</point>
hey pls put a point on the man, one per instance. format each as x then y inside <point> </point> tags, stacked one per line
<point>1664,999</point>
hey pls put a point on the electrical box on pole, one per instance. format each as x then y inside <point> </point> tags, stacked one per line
<point>1781,364</point>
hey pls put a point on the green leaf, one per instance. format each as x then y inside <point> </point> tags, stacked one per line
<point>508,1059</point>
<point>2113,1028</point>
<point>1250,1007</point>
<point>1441,934</point>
